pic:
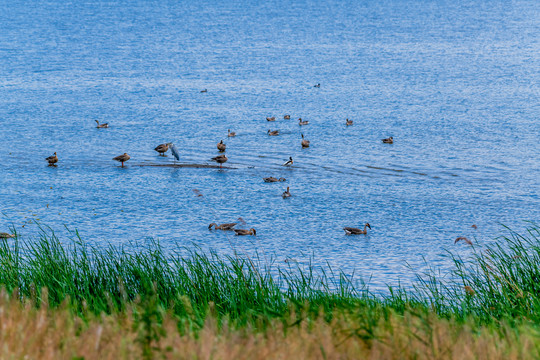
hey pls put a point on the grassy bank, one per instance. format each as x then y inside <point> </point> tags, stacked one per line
<point>155,302</point>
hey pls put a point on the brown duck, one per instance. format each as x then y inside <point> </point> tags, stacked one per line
<point>220,159</point>
<point>162,148</point>
<point>273,118</point>
<point>221,146</point>
<point>389,140</point>
<point>273,133</point>
<point>245,232</point>
<point>272,179</point>
<point>230,134</point>
<point>305,143</point>
<point>301,122</point>
<point>287,117</point>
<point>348,122</point>
<point>356,231</point>
<point>53,159</point>
<point>286,193</point>
<point>122,158</point>
<point>4,235</point>
<point>227,226</point>
<point>102,126</point>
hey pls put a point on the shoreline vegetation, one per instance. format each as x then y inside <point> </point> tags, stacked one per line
<point>75,301</point>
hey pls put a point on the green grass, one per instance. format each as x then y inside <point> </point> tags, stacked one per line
<point>504,279</point>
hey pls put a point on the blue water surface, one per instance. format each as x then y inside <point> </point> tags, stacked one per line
<point>456,83</point>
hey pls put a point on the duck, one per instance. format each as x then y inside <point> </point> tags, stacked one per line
<point>273,132</point>
<point>245,232</point>
<point>221,146</point>
<point>348,122</point>
<point>300,122</point>
<point>287,117</point>
<point>389,140</point>
<point>356,231</point>
<point>4,235</point>
<point>53,159</point>
<point>273,118</point>
<point>221,159</point>
<point>272,179</point>
<point>305,143</point>
<point>286,193</point>
<point>317,85</point>
<point>288,162</point>
<point>204,90</point>
<point>122,158</point>
<point>162,148</point>
<point>227,226</point>
<point>230,134</point>
<point>102,126</point>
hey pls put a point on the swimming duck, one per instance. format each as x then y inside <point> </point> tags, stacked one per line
<point>53,159</point>
<point>162,148</point>
<point>300,122</point>
<point>389,140</point>
<point>356,231</point>
<point>122,158</point>
<point>245,232</point>
<point>305,143</point>
<point>272,179</point>
<point>273,133</point>
<point>273,118</point>
<point>227,226</point>
<point>348,122</point>
<point>286,193</point>
<point>287,117</point>
<point>221,159</point>
<point>221,146</point>
<point>204,90</point>
<point>288,162</point>
<point>4,235</point>
<point>317,85</point>
<point>466,240</point>
<point>102,126</point>
<point>230,134</point>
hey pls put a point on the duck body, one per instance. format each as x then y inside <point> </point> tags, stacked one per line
<point>272,179</point>
<point>273,118</point>
<point>230,134</point>
<point>242,232</point>
<point>122,158</point>
<point>348,122</point>
<point>305,143</point>
<point>301,122</point>
<point>221,146</point>
<point>317,85</point>
<point>221,159</point>
<point>226,226</point>
<point>389,140</point>
<point>289,162</point>
<point>273,133</point>
<point>286,193</point>
<point>287,117</point>
<point>162,148</point>
<point>53,159</point>
<point>356,231</point>
<point>102,126</point>
<point>204,90</point>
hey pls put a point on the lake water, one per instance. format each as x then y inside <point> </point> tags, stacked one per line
<point>456,84</point>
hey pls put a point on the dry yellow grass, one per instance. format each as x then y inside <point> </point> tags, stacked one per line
<point>29,333</point>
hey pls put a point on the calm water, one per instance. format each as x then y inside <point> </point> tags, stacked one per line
<point>456,84</point>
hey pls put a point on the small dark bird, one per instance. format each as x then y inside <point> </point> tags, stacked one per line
<point>288,162</point>
<point>221,159</point>
<point>348,122</point>
<point>287,117</point>
<point>467,241</point>
<point>286,193</point>
<point>389,140</point>
<point>300,122</point>
<point>102,126</point>
<point>230,134</point>
<point>221,146</point>
<point>204,90</point>
<point>245,232</point>
<point>162,148</point>
<point>273,118</point>
<point>53,159</point>
<point>122,158</point>
<point>356,231</point>
<point>273,133</point>
<point>272,179</point>
<point>317,86</point>
<point>227,226</point>
<point>305,143</point>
